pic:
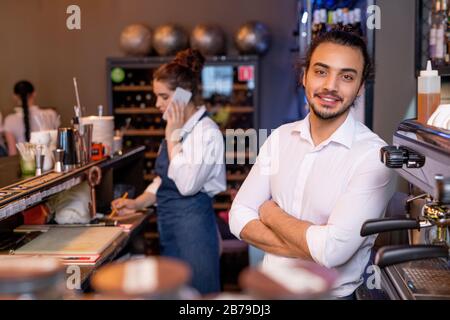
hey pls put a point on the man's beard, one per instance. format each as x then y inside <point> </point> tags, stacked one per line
<point>330,115</point>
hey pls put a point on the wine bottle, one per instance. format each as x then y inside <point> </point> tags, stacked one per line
<point>331,23</point>
<point>437,32</point>
<point>316,24</point>
<point>357,25</point>
<point>339,18</point>
<point>351,18</point>
<point>345,17</point>
<point>323,21</point>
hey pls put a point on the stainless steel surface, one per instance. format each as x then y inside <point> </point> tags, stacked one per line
<point>419,280</point>
<point>40,157</point>
<point>83,144</point>
<point>66,141</point>
<point>431,142</point>
<point>438,215</point>
<point>427,278</point>
<point>59,157</point>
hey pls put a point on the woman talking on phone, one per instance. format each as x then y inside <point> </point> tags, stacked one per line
<point>190,171</point>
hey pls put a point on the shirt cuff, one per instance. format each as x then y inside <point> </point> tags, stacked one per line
<point>174,165</point>
<point>239,219</point>
<point>316,238</point>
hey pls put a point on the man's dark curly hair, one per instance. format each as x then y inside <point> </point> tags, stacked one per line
<point>344,36</point>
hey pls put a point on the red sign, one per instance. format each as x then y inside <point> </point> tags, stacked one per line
<point>245,73</point>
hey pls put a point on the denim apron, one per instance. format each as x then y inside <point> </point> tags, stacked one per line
<point>187,228</point>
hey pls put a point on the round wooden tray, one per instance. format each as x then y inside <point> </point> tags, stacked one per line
<point>14,268</point>
<point>20,275</point>
<point>170,275</point>
<point>262,286</point>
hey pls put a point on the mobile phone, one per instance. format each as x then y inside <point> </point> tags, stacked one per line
<point>181,96</point>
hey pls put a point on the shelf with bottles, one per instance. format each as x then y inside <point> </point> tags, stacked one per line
<point>144,132</point>
<point>141,124</point>
<point>151,155</point>
<point>316,17</point>
<point>128,88</point>
<point>148,87</point>
<point>144,110</point>
<point>439,37</point>
<point>229,90</point>
<point>151,143</point>
<point>433,35</point>
<point>130,100</point>
<point>325,20</point>
<point>154,110</point>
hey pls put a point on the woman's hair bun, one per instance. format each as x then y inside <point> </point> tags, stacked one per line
<point>191,59</point>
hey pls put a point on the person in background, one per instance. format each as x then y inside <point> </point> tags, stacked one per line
<point>27,118</point>
<point>3,151</point>
<point>190,172</point>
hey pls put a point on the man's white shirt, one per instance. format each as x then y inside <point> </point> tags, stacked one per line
<point>336,186</point>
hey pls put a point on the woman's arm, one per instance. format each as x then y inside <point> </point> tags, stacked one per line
<point>146,199</point>
<point>200,157</point>
<point>11,142</point>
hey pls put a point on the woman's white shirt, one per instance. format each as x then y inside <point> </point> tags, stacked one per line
<point>200,165</point>
<point>40,119</point>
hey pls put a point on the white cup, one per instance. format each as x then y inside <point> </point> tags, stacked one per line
<point>441,117</point>
<point>40,137</point>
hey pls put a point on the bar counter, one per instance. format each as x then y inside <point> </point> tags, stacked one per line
<point>118,169</point>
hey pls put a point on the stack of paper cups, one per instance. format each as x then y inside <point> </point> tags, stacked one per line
<point>103,130</point>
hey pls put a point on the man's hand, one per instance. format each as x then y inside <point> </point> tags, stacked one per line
<point>266,210</point>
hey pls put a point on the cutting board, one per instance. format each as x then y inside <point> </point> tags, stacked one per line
<point>71,241</point>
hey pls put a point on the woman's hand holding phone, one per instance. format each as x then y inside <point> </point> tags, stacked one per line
<point>175,121</point>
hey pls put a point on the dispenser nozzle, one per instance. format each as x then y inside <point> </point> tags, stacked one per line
<point>429,72</point>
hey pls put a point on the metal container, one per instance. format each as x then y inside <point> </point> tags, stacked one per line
<point>66,141</point>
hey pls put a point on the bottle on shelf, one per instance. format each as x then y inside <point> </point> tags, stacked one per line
<point>317,26</point>
<point>148,99</point>
<point>437,32</point>
<point>128,99</point>
<point>357,26</point>
<point>323,21</point>
<point>339,19</point>
<point>331,22</point>
<point>139,122</point>
<point>351,18</point>
<point>345,17</point>
<point>130,77</point>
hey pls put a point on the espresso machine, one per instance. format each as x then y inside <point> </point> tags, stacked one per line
<point>420,269</point>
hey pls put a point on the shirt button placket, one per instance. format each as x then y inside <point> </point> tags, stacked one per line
<point>302,177</point>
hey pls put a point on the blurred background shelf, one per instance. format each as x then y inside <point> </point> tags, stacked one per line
<point>229,89</point>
